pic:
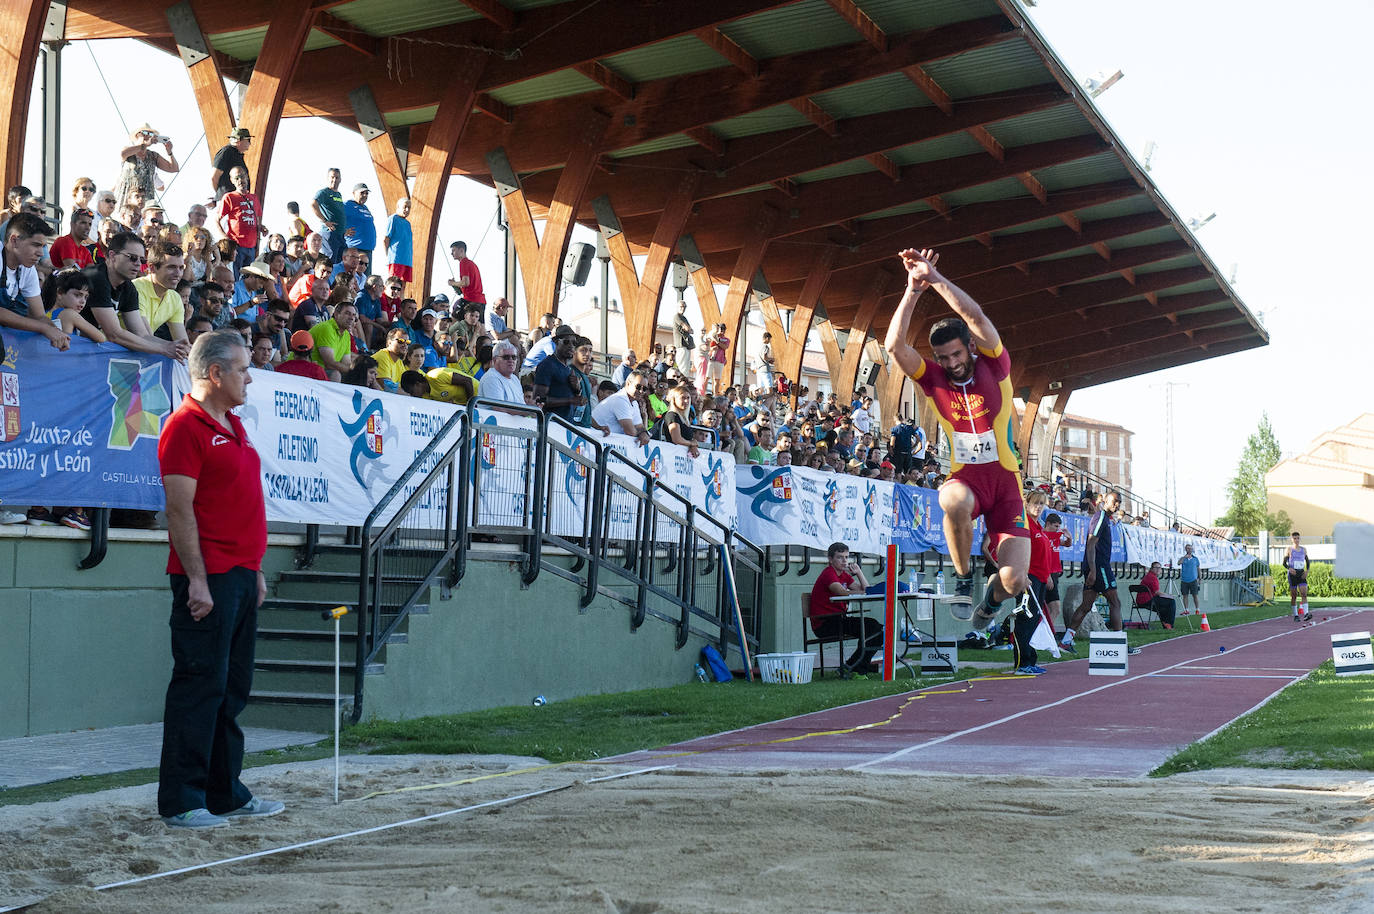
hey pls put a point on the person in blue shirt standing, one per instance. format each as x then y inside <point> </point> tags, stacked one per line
<point>1188,576</point>
<point>400,251</point>
<point>360,232</point>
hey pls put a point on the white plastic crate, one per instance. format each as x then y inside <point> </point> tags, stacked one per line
<point>792,669</point>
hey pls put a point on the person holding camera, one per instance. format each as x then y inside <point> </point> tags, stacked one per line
<point>141,164</point>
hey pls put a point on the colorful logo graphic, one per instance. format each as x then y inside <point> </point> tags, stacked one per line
<point>575,473</point>
<point>653,461</point>
<point>769,493</point>
<point>832,503</point>
<point>9,396</point>
<point>714,477</point>
<point>140,402</point>
<point>870,505</point>
<point>366,433</point>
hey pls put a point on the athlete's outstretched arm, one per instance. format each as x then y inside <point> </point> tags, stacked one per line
<point>920,267</point>
<point>900,326</point>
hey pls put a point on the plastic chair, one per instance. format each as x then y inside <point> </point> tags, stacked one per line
<point>812,639</point>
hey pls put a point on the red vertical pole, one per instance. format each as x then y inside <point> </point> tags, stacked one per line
<point>890,626</point>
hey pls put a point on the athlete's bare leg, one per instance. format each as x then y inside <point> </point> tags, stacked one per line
<point>957,501</point>
<point>1013,558</point>
<point>1113,610</point>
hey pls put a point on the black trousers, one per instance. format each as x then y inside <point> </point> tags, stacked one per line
<point>1023,626</point>
<point>869,633</point>
<point>212,674</point>
<point>1164,606</point>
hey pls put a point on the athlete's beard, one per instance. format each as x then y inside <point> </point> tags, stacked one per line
<point>966,372</point>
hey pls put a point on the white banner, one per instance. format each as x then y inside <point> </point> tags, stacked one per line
<point>791,505</point>
<point>1145,545</point>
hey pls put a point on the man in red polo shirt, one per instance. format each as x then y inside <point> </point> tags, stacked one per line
<point>217,525</point>
<point>839,577</point>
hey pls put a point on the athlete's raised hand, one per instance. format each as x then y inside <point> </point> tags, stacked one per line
<point>920,267</point>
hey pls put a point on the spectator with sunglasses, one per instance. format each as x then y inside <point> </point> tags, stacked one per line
<point>272,324</point>
<point>113,301</point>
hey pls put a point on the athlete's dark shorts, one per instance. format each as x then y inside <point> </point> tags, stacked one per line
<point>1296,578</point>
<point>1187,588</point>
<point>1052,588</point>
<point>1104,579</point>
<point>996,498</point>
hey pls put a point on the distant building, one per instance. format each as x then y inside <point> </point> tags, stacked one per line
<point>1098,449</point>
<point>1330,482</point>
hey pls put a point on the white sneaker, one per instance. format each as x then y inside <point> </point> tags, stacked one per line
<point>13,517</point>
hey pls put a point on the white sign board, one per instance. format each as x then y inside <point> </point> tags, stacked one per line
<point>1354,550</point>
<point>1352,654</point>
<point>940,657</point>
<point>1107,654</point>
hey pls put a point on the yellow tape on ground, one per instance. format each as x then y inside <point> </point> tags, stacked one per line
<point>915,696</point>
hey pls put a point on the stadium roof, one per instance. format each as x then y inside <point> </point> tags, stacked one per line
<point>788,148</point>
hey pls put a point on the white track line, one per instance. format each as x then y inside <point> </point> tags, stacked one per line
<point>891,756</point>
<point>368,831</point>
<point>1221,676</point>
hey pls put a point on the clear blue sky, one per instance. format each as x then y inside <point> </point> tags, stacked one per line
<point>1256,116</point>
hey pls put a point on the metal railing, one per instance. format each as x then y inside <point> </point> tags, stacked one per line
<point>407,539</point>
<point>1102,484</point>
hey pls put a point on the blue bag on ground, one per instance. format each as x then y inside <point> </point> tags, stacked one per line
<point>715,663</point>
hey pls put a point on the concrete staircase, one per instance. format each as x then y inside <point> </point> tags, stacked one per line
<point>293,678</point>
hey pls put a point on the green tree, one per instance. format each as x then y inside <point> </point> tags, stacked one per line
<point>1249,500</point>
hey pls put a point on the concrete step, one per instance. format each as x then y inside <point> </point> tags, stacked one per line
<point>310,644</point>
<point>305,676</point>
<point>311,712</point>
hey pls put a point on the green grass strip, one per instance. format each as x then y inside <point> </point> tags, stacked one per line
<point>1324,721</point>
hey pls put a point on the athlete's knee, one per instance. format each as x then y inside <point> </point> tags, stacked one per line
<point>1013,580</point>
<point>956,500</point>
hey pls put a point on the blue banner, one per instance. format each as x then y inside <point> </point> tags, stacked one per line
<point>81,426</point>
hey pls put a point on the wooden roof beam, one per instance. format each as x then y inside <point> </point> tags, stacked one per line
<point>607,78</point>
<point>861,22</point>
<point>347,34</point>
<point>494,108</point>
<point>892,170</point>
<point>990,288</point>
<point>707,139</point>
<point>927,84</point>
<point>816,115</point>
<point>726,47</point>
<point>1123,311</point>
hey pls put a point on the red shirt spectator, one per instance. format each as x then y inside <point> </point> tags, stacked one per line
<point>68,248</point>
<point>238,213</point>
<point>1150,583</point>
<point>300,363</point>
<point>1056,538</point>
<point>1040,550</point>
<point>822,603</point>
<point>221,461</point>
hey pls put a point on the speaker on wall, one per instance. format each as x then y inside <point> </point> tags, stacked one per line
<point>577,266</point>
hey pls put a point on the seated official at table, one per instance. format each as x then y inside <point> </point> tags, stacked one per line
<point>1149,596</point>
<point>840,577</point>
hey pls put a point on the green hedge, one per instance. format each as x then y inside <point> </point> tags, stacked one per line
<point>1321,583</point>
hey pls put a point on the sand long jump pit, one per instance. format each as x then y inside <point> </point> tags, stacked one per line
<point>565,838</point>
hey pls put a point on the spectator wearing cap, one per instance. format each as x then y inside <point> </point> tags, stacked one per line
<point>334,341</point>
<point>301,363</point>
<point>229,157</point>
<point>74,249</point>
<point>360,232</point>
<point>468,284</point>
<point>239,217</point>
<point>251,290</point>
<point>544,348</point>
<point>158,301</point>
<point>436,353</point>
<point>397,242</point>
<point>329,209</point>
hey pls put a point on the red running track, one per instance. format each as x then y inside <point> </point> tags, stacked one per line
<point>1063,722</point>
